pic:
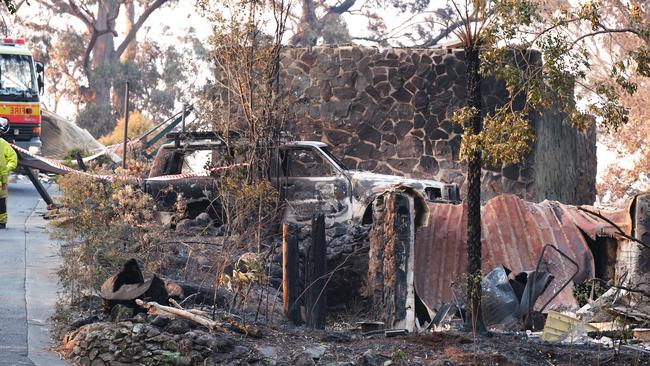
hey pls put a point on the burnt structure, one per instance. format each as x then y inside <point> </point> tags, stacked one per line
<point>389,110</point>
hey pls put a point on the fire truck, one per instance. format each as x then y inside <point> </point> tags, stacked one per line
<point>21,83</point>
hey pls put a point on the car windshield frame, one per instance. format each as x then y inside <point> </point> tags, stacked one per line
<point>336,160</point>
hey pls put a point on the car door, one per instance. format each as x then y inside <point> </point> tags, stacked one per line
<point>312,184</point>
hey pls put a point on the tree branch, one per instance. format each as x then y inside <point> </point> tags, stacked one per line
<point>79,13</point>
<point>136,26</point>
<point>342,7</point>
<point>604,31</point>
<point>443,34</point>
<point>93,39</point>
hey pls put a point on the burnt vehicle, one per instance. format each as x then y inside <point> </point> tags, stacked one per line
<point>307,174</point>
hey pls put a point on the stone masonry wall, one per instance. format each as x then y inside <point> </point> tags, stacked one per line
<point>389,110</point>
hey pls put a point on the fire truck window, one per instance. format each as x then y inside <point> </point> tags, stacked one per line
<point>197,161</point>
<point>308,163</point>
<point>16,73</point>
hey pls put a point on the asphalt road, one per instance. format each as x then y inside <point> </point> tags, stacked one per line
<point>28,283</point>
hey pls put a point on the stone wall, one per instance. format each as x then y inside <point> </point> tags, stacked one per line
<point>389,110</point>
<point>154,341</point>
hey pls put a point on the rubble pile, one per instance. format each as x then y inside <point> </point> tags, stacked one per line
<point>150,340</point>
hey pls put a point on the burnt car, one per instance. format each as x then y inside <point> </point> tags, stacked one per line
<point>307,174</point>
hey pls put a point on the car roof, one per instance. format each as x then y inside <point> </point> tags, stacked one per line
<point>209,143</point>
<point>306,143</point>
<point>14,50</point>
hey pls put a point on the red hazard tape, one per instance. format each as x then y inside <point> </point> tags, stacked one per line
<point>58,168</point>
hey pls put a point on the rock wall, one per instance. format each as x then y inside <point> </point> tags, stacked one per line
<point>389,110</point>
<point>139,342</point>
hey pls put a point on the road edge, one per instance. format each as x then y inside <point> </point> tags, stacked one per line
<point>41,287</point>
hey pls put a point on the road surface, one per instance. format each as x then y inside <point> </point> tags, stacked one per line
<point>28,283</point>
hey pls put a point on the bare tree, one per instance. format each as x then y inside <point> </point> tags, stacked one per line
<point>98,50</point>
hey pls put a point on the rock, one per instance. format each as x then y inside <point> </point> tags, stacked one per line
<point>203,220</point>
<point>160,321</point>
<point>184,361</point>
<point>202,261</point>
<point>107,357</point>
<point>219,231</point>
<point>240,351</point>
<point>337,137</point>
<point>511,172</point>
<point>336,337</point>
<point>267,351</point>
<point>315,352</point>
<point>140,318</point>
<point>371,358</point>
<point>152,332</point>
<point>81,322</point>
<point>178,326</point>
<point>429,165</point>
<point>138,328</point>
<point>402,95</point>
<point>120,313</point>
<point>443,363</point>
<point>303,360</point>
<point>368,133</point>
<point>184,226</point>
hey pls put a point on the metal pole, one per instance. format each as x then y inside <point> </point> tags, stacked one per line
<point>183,118</point>
<point>290,273</point>
<point>126,122</point>
<point>39,186</point>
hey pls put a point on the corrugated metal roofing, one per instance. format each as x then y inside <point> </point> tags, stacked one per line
<point>514,233</point>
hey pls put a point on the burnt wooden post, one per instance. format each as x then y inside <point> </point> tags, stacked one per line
<point>315,268</point>
<point>290,274</point>
<point>641,221</point>
<point>80,161</point>
<point>126,123</point>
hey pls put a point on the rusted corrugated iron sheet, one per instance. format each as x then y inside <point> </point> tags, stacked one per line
<point>513,234</point>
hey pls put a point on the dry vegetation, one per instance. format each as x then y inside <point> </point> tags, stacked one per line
<point>103,224</point>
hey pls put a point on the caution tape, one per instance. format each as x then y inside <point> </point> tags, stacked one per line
<point>59,167</point>
<point>198,175</point>
<point>48,161</point>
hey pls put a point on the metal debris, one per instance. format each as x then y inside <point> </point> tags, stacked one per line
<point>514,233</point>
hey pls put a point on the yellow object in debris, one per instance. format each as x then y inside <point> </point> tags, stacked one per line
<point>559,325</point>
<point>641,334</point>
<point>607,326</point>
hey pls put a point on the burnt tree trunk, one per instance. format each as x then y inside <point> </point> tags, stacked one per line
<point>474,126</point>
<point>290,273</point>
<point>390,263</point>
<point>315,268</point>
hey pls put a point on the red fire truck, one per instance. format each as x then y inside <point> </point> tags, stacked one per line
<point>21,83</point>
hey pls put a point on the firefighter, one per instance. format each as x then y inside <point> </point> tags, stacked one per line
<point>8,161</point>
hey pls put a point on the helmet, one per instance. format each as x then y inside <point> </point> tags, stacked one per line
<point>4,125</point>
